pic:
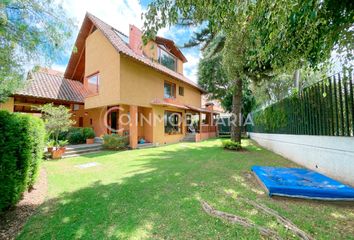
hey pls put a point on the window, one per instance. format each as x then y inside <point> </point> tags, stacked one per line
<point>167,59</point>
<point>181,91</point>
<point>169,90</point>
<point>76,107</point>
<point>93,83</point>
<point>173,123</point>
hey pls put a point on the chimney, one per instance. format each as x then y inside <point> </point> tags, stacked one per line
<point>135,39</point>
<point>209,106</point>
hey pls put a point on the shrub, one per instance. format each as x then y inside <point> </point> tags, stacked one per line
<point>231,145</point>
<point>21,149</point>
<point>75,136</point>
<point>88,133</point>
<point>115,142</point>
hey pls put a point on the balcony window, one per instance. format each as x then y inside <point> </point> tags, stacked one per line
<point>173,123</point>
<point>169,90</point>
<point>93,83</point>
<point>167,59</point>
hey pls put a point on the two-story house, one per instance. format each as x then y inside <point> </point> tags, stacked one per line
<point>114,83</point>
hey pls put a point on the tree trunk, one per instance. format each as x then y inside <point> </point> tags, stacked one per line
<point>236,111</point>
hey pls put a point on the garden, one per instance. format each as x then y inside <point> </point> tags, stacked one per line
<point>157,193</point>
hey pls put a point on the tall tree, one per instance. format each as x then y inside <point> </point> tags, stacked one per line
<point>31,32</point>
<point>263,37</point>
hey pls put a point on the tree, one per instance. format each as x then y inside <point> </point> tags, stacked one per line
<point>31,32</point>
<point>263,38</point>
<point>56,119</point>
<point>212,76</point>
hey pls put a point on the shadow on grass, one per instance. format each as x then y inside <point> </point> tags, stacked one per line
<point>158,198</point>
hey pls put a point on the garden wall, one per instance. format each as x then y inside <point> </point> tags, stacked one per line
<point>330,155</point>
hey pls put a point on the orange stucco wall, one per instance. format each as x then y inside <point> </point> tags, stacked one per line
<point>159,136</point>
<point>101,56</point>
<point>94,115</point>
<point>141,84</point>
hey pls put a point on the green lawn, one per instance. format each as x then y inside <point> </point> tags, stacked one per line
<point>155,193</point>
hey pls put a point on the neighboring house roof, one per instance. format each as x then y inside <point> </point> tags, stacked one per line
<point>216,103</point>
<point>115,38</point>
<point>52,85</point>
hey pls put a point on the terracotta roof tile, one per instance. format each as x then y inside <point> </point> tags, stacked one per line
<point>123,48</point>
<point>54,86</point>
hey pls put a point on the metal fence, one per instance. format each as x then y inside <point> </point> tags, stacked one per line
<point>324,108</point>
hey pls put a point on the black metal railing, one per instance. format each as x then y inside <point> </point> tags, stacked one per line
<point>324,108</point>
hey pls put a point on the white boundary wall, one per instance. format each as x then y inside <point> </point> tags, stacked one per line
<point>332,156</point>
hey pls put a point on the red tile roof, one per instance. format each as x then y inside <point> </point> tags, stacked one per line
<point>52,85</point>
<point>122,47</point>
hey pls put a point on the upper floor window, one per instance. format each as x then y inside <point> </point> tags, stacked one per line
<point>169,90</point>
<point>181,91</point>
<point>167,59</point>
<point>93,83</point>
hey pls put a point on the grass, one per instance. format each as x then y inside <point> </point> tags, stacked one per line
<point>154,194</point>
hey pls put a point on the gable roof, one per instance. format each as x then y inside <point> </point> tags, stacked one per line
<point>53,86</point>
<point>89,24</point>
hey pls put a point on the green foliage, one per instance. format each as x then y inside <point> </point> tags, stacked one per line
<point>31,32</point>
<point>63,143</point>
<point>21,151</point>
<point>276,117</point>
<point>75,135</point>
<point>51,143</point>
<point>213,78</point>
<point>56,119</point>
<point>115,142</point>
<point>88,133</point>
<point>231,145</point>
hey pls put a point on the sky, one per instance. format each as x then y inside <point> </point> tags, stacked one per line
<point>121,13</point>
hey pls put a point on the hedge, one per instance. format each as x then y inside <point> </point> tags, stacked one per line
<point>21,150</point>
<point>77,135</point>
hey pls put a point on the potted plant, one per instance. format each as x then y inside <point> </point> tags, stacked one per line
<point>56,120</point>
<point>62,145</point>
<point>50,146</point>
<point>89,134</point>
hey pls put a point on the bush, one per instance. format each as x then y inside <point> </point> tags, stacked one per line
<point>75,136</point>
<point>21,149</point>
<point>88,133</point>
<point>115,142</point>
<point>231,145</point>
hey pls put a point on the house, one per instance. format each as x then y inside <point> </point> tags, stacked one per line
<point>115,84</point>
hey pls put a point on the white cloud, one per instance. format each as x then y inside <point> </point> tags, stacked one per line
<point>119,13</point>
<point>191,67</point>
<point>58,67</point>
